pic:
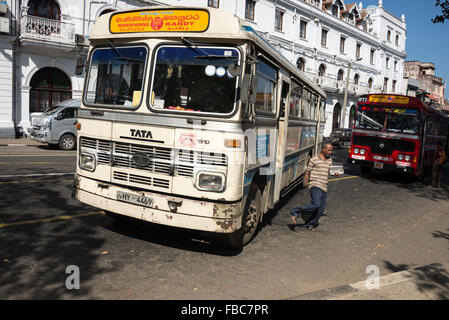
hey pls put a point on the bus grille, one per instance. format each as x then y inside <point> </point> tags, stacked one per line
<point>166,161</point>
<point>143,180</point>
<point>384,146</point>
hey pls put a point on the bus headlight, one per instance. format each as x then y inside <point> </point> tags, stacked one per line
<point>400,157</point>
<point>209,181</point>
<point>407,158</point>
<point>87,161</point>
<point>362,151</point>
<point>356,150</point>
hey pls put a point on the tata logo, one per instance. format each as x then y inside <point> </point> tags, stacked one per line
<point>141,159</point>
<point>141,133</point>
<point>381,145</point>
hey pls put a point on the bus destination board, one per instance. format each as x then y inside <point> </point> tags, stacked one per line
<point>172,20</point>
<point>389,99</point>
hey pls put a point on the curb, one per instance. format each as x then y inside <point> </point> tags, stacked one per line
<point>332,293</point>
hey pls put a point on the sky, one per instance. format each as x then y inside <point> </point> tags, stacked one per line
<point>426,41</point>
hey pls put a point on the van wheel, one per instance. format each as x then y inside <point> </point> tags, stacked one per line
<point>67,142</point>
<point>250,222</point>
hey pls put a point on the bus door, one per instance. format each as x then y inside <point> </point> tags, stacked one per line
<point>283,110</point>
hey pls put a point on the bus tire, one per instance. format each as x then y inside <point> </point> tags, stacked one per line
<point>250,222</point>
<point>67,142</point>
<point>365,170</point>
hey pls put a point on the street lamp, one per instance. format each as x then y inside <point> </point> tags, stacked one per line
<point>345,101</point>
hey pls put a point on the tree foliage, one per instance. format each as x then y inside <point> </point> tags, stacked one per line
<point>444,5</point>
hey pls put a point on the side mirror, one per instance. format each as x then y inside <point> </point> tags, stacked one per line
<point>252,96</point>
<point>59,116</point>
<point>80,63</point>
<point>235,70</point>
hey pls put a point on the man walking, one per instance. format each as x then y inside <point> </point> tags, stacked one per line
<point>440,157</point>
<point>317,172</point>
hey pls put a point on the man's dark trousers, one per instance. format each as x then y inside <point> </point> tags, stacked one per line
<point>317,205</point>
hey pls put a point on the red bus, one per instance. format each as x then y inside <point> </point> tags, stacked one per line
<point>398,133</point>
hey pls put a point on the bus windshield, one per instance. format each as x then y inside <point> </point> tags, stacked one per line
<point>388,119</point>
<point>116,76</point>
<point>194,79</point>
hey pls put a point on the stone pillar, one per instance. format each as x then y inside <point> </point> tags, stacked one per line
<point>24,111</point>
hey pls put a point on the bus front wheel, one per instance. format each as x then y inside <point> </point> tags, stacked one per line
<point>250,222</point>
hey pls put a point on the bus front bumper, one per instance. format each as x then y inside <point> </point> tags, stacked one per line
<point>385,166</point>
<point>167,210</point>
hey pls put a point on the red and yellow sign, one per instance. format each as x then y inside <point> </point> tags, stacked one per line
<point>173,20</point>
<point>389,99</point>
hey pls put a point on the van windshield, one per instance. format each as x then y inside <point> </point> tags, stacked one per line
<point>194,79</point>
<point>50,110</point>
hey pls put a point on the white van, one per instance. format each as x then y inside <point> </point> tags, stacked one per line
<point>56,126</point>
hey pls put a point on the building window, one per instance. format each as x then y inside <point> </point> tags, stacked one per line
<point>340,75</point>
<point>249,9</point>
<point>357,51</point>
<point>397,40</point>
<point>385,88</point>
<point>301,64</point>
<point>321,70</point>
<point>49,86</point>
<point>213,3</point>
<point>356,79</point>
<point>336,117</point>
<point>279,19</point>
<point>324,37</point>
<point>393,86</point>
<point>44,8</point>
<point>335,10</point>
<point>387,63</point>
<point>303,29</point>
<point>370,83</point>
<point>389,36</point>
<point>342,44</point>
<point>371,57</point>
<point>395,66</point>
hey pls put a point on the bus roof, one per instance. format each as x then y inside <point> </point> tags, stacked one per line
<point>399,100</point>
<point>220,25</point>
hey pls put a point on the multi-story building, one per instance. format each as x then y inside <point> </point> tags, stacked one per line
<point>331,41</point>
<point>39,51</point>
<point>424,74</point>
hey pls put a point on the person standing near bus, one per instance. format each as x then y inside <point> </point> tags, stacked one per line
<point>318,173</point>
<point>440,156</point>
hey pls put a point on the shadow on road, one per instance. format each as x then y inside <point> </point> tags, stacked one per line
<point>34,257</point>
<point>166,236</point>
<point>431,279</point>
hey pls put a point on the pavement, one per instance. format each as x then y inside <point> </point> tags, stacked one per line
<point>414,284</point>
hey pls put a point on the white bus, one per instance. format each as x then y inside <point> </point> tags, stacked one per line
<point>189,118</point>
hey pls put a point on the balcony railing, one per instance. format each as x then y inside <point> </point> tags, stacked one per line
<point>47,29</point>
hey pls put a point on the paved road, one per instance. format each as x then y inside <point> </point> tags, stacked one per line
<point>385,220</point>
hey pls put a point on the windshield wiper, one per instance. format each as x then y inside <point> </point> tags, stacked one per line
<point>205,54</point>
<point>120,57</point>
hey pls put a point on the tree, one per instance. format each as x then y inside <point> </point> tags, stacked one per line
<point>444,5</point>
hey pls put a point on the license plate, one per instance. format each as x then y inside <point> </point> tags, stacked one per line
<point>378,165</point>
<point>134,199</point>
